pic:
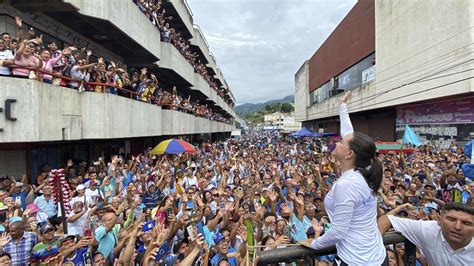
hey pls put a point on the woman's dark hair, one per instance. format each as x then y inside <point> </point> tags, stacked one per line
<point>366,162</point>
<point>265,239</point>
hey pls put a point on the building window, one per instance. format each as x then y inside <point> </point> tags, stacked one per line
<point>352,77</point>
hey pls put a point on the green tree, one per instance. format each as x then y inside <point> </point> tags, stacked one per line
<point>287,108</point>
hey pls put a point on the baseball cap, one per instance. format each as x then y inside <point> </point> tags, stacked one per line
<point>66,237</point>
<point>218,237</point>
<point>45,228</point>
<point>32,207</point>
<point>80,186</point>
<point>18,184</point>
<point>149,226</point>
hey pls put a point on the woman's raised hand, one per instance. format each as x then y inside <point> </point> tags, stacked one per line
<point>346,97</point>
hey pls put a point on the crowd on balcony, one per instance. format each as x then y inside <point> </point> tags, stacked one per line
<point>27,56</point>
<point>156,12</point>
<point>230,201</point>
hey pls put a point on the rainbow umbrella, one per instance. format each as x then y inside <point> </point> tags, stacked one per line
<point>173,146</point>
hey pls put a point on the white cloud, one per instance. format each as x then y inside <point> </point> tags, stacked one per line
<point>260,44</point>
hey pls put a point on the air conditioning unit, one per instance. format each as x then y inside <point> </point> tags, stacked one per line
<point>335,92</point>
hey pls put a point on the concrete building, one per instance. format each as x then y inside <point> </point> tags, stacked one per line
<point>46,124</point>
<point>406,62</point>
<point>282,121</point>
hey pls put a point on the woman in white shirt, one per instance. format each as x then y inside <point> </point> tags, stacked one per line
<point>351,203</point>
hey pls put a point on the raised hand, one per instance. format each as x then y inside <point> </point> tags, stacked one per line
<point>18,21</point>
<point>346,97</point>
<point>317,227</point>
<point>4,239</point>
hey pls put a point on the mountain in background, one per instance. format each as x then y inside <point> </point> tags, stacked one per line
<point>248,108</point>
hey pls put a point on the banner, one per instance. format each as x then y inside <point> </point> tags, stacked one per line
<point>447,112</point>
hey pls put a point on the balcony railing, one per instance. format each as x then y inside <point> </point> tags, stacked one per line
<point>128,93</point>
<point>298,253</point>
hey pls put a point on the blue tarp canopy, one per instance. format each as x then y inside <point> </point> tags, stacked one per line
<point>304,132</point>
<point>468,149</point>
<point>322,135</point>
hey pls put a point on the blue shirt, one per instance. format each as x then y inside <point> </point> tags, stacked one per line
<point>297,229</point>
<point>20,197</point>
<point>47,206</point>
<point>79,257</point>
<point>107,240</point>
<point>232,261</point>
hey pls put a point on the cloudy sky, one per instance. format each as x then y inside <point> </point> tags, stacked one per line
<point>260,44</point>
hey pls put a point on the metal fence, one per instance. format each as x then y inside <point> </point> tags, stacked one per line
<point>297,253</point>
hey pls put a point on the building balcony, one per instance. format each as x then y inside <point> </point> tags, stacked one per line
<point>42,112</point>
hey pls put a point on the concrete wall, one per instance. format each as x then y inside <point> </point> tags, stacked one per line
<point>184,13</point>
<point>126,16</point>
<point>423,39</point>
<point>171,58</point>
<point>302,92</point>
<point>49,113</point>
<point>424,50</point>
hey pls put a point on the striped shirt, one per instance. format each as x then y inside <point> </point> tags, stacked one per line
<point>20,250</point>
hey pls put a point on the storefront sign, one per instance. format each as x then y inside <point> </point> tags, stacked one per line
<point>368,74</point>
<point>446,112</point>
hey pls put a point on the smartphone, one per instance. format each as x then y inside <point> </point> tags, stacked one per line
<point>169,212</point>
<point>88,232</point>
<point>164,249</point>
<point>222,206</point>
<point>251,207</point>
<point>287,231</point>
<point>190,230</point>
<point>200,228</point>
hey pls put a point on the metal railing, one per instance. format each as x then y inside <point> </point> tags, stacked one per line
<point>125,93</point>
<point>295,253</point>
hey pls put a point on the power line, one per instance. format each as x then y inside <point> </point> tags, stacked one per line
<point>409,83</point>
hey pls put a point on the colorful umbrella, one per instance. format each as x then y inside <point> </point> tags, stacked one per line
<point>173,146</point>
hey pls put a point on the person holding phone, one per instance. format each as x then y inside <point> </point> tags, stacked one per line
<point>351,204</point>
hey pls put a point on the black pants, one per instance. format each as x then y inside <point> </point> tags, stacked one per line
<point>342,263</point>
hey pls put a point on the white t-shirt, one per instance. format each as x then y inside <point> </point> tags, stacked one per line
<point>427,236</point>
<point>77,75</point>
<point>77,227</point>
<point>5,55</point>
<point>78,198</point>
<point>91,196</point>
<point>188,181</point>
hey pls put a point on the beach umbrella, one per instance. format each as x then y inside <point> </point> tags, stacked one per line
<point>173,146</point>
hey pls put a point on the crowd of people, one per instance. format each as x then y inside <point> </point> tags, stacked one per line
<point>229,201</point>
<point>156,12</point>
<point>72,67</point>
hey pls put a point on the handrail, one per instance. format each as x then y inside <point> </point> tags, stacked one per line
<point>90,83</point>
<point>291,254</point>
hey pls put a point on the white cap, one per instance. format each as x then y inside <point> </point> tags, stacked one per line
<point>80,186</point>
<point>18,184</point>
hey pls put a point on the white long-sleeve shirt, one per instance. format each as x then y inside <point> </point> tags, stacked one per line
<point>352,209</point>
<point>346,125</point>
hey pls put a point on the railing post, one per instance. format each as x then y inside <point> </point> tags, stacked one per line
<point>309,261</point>
<point>410,254</point>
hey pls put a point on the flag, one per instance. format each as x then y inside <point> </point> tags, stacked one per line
<point>410,137</point>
